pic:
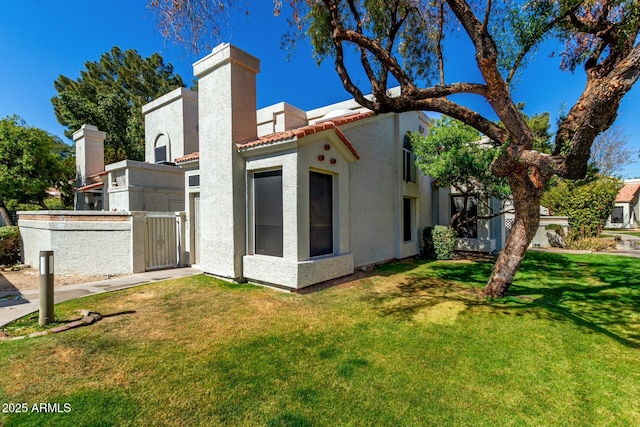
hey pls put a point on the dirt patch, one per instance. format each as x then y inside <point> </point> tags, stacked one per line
<point>28,279</point>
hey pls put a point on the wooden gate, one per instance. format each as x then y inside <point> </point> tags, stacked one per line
<point>161,240</point>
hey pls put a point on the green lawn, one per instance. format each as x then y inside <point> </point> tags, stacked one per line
<point>631,233</point>
<point>412,345</point>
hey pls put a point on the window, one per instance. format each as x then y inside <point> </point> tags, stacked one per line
<point>161,154</point>
<point>407,214</point>
<point>470,228</point>
<point>119,178</point>
<point>617,216</point>
<point>408,161</point>
<point>160,151</point>
<point>320,214</point>
<point>194,180</point>
<point>267,205</point>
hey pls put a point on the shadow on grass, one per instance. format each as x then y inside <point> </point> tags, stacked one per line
<point>597,292</point>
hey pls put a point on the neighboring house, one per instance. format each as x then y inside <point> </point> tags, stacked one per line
<point>627,210</point>
<point>278,195</point>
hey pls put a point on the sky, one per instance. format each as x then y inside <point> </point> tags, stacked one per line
<point>42,39</point>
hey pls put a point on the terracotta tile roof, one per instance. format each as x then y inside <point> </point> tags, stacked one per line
<point>627,193</point>
<point>188,158</point>
<point>299,133</point>
<point>99,174</point>
<point>90,186</point>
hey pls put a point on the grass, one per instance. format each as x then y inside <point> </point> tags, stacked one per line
<point>411,345</point>
<point>622,231</point>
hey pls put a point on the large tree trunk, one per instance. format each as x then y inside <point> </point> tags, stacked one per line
<point>4,212</point>
<point>526,203</point>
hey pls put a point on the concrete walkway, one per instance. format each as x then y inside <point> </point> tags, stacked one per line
<point>628,246</point>
<point>15,304</point>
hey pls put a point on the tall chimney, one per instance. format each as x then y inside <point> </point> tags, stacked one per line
<point>227,115</point>
<point>89,142</point>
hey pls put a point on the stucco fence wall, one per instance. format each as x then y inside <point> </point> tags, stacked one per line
<point>540,239</point>
<point>88,242</point>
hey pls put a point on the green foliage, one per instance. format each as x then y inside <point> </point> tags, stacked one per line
<point>110,94</point>
<point>594,244</point>
<point>587,203</point>
<point>540,127</point>
<point>9,245</point>
<point>453,156</point>
<point>31,160</point>
<point>428,249</point>
<point>444,241</point>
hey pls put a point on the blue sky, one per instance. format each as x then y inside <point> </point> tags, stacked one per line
<point>42,39</point>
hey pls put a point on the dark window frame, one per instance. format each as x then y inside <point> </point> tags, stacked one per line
<point>469,231</point>
<point>160,153</point>
<point>615,219</point>
<point>407,219</point>
<point>268,213</point>
<point>194,180</point>
<point>321,219</point>
<point>409,171</point>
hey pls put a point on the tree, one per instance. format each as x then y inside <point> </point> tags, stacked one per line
<point>609,154</point>
<point>454,155</point>
<point>403,42</point>
<point>110,94</point>
<point>31,160</point>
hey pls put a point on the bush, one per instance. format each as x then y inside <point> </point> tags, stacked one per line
<point>55,204</point>
<point>444,241</point>
<point>593,244</point>
<point>9,245</point>
<point>428,251</point>
<point>587,203</point>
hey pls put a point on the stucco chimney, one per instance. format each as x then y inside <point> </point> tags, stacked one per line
<point>227,114</point>
<point>89,143</point>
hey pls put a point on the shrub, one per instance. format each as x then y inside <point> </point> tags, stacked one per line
<point>9,245</point>
<point>444,241</point>
<point>55,204</point>
<point>428,251</point>
<point>593,244</point>
<point>587,203</point>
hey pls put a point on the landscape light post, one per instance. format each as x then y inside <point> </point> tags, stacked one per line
<point>46,288</point>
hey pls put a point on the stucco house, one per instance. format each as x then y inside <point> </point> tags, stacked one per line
<point>277,195</point>
<point>627,209</point>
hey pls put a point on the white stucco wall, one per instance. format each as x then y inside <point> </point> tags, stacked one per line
<point>83,242</point>
<point>377,189</point>
<point>175,117</point>
<point>540,239</point>
<point>280,117</point>
<point>147,187</point>
<point>89,146</point>
<point>296,269</point>
<point>227,114</point>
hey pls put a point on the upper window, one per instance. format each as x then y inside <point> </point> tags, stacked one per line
<point>160,150</point>
<point>119,178</point>
<point>408,161</point>
<point>268,218</point>
<point>320,214</point>
<point>161,154</point>
<point>466,225</point>
<point>617,216</point>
